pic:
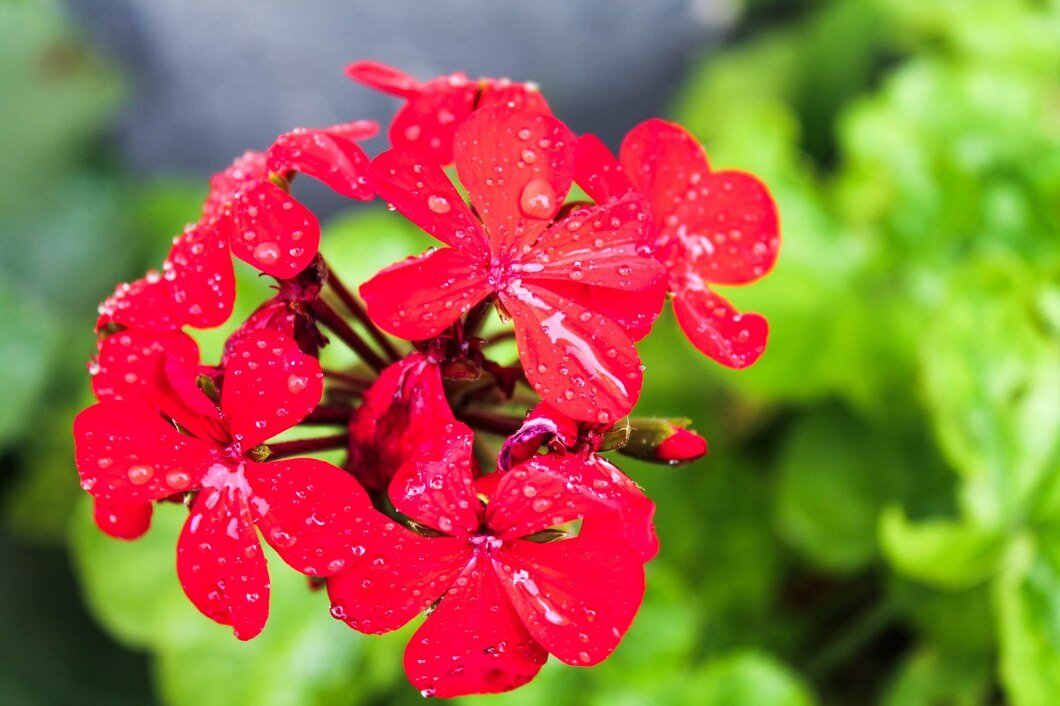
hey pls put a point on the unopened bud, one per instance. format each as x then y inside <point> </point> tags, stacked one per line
<point>664,441</point>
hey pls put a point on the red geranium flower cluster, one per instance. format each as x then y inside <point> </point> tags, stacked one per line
<point>475,488</point>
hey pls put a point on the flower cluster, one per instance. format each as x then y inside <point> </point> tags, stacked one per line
<point>476,484</point>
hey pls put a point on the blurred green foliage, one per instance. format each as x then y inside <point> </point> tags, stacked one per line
<point>879,518</point>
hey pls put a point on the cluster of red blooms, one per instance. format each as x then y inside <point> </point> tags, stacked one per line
<point>461,495</point>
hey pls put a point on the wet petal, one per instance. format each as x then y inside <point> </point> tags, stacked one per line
<point>436,487</point>
<point>219,559</point>
<point>473,642</point>
<point>328,154</point>
<point>522,96</point>
<point>425,125</point>
<point>517,169</point>
<point>578,596</point>
<point>421,296</point>
<point>663,161</point>
<point>537,495</point>
<point>400,579</point>
<point>424,194</point>
<point>122,520</point>
<point>272,231</point>
<point>602,246</point>
<point>717,329</point>
<point>130,363</point>
<point>126,453</point>
<point>270,386</point>
<point>315,515</point>
<point>248,167</point>
<point>577,360</point>
<point>384,78</point>
<point>204,285</point>
<point>597,171</point>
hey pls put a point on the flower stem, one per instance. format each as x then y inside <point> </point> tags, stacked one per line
<point>357,309</point>
<point>326,414</point>
<point>357,382</point>
<point>499,424</point>
<point>330,318</point>
<point>286,449</point>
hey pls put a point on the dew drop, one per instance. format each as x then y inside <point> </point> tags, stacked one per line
<point>139,474</point>
<point>296,383</point>
<point>538,199</point>
<point>438,204</point>
<point>267,253</point>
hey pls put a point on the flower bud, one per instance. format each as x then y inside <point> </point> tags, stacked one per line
<point>664,440</point>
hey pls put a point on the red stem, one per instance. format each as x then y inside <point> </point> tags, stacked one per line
<point>329,414</point>
<point>501,425</point>
<point>355,381</point>
<point>286,449</point>
<point>330,318</point>
<point>357,309</point>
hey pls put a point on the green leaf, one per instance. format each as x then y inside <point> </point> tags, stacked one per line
<point>931,678</point>
<point>29,338</point>
<point>835,474</point>
<point>747,679</point>
<point>304,655</point>
<point>992,381</point>
<point>949,554</point>
<point>1027,599</point>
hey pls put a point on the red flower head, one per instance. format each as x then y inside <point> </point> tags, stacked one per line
<point>400,411</point>
<point>433,111</point>
<point>517,168</point>
<point>508,596</point>
<point>306,509</point>
<point>710,228</point>
<point>573,457</point>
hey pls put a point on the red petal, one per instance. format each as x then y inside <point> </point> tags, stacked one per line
<point>219,558</point>
<point>122,520</point>
<point>126,453</point>
<point>203,279</point>
<point>384,78</point>
<point>147,303</point>
<point>426,196</point>
<point>403,577</point>
<point>522,96</point>
<point>250,166</point>
<point>577,596</point>
<point>425,125</point>
<point>534,496</point>
<point>316,516</point>
<point>436,487</point>
<point>730,233</point>
<point>597,171</point>
<point>398,413</point>
<point>579,361</point>
<point>270,386</point>
<point>603,246</point>
<point>421,296</point>
<point>130,363</point>
<point>517,169</point>
<point>717,329</point>
<point>272,231</point>
<point>664,162</point>
<point>608,484</point>
<point>473,642</point>
<point>328,154</point>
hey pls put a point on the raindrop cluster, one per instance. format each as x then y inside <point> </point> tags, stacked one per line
<point>464,468</point>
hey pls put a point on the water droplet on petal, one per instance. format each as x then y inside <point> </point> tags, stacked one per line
<point>538,199</point>
<point>139,474</point>
<point>438,204</point>
<point>267,253</point>
<point>296,383</point>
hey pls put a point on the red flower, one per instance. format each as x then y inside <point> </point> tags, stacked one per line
<point>399,413</point>
<point>508,599</point>
<point>682,446</point>
<point>433,111</point>
<point>308,510</point>
<point>266,226</point>
<point>710,228</point>
<point>573,457</point>
<point>517,168</point>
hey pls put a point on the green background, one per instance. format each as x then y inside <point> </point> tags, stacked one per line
<point>878,520</point>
